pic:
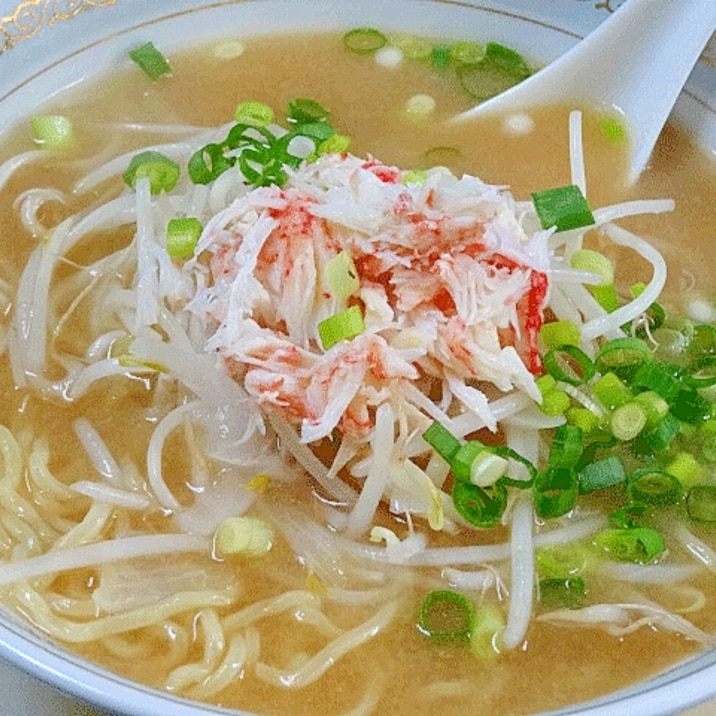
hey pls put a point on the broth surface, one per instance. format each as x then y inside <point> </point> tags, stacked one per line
<point>558,666</point>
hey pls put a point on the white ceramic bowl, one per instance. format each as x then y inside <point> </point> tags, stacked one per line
<point>46,45</point>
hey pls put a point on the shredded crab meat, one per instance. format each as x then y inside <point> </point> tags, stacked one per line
<point>451,286</point>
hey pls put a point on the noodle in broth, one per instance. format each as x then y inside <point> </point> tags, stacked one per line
<point>127,444</point>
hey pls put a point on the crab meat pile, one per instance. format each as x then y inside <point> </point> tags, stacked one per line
<point>451,287</point>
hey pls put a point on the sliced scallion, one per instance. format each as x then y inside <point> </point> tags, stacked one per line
<point>691,407</point>
<point>489,625</point>
<point>622,353</point>
<point>569,364</point>
<point>182,237</point>
<point>305,111</point>
<point>601,474</point>
<point>566,448</point>
<point>342,276</point>
<point>555,492</point>
<point>634,544</point>
<point>650,486</point>
<point>611,391</point>
<point>256,113</point>
<point>442,441</point>
<point>341,326</point>
<point>466,52</point>
<point>555,334</point>
<point>663,378</point>
<point>563,207</point>
<point>52,131</point>
<point>627,421</point>
<point>446,616</point>
<point>566,593</point>
<point>659,438</point>
<point>480,507</point>
<point>627,516</point>
<point>162,172</point>
<point>364,40</point>
<point>440,57</point>
<point>152,61</point>
<point>701,503</point>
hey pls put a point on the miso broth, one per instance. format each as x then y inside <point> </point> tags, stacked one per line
<point>398,671</point>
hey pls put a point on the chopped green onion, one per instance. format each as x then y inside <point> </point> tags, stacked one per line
<point>464,459</point>
<point>507,59</point>
<point>627,421</point>
<point>601,474</point>
<point>510,454</point>
<point>364,40</point>
<point>685,468</point>
<point>566,448</point>
<point>628,516</point>
<point>318,131</point>
<point>555,492</point>
<point>611,392</point>
<point>162,172</point>
<point>341,326</point>
<point>564,208</point>
<point>634,544</point>
<point>708,448</point>
<point>486,632</point>
<point>446,616</point>
<point>703,340</point>
<point>658,439</point>
<point>569,364</point>
<point>612,129</point>
<point>182,237</point>
<point>606,297</point>
<point>335,144</point>
<point>440,57</point>
<point>480,507</point>
<point>701,503</point>
<point>691,407</point>
<point>466,52</point>
<point>488,468</point>
<point>53,131</point>
<point>243,536</point>
<point>208,163</point>
<point>554,400</point>
<point>559,333</point>
<point>582,418</point>
<point>702,373</point>
<point>254,113</point>
<point>500,69</point>
<point>650,486</point>
<point>413,47</point>
<point>306,111</point>
<point>342,276</point>
<point>152,61</point>
<point>563,560</point>
<point>655,407</point>
<point>416,177</point>
<point>442,441</point>
<point>566,593</point>
<point>621,353</point>
<point>593,262</point>
<point>662,378</point>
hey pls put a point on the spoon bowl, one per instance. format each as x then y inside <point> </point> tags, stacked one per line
<point>634,64</point>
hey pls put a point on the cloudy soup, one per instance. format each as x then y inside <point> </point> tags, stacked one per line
<point>303,417</point>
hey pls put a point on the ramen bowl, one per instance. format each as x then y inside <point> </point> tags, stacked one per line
<point>50,50</point>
